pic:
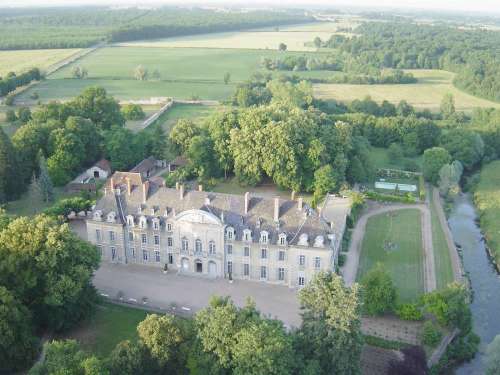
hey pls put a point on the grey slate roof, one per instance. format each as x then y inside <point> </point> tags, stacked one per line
<point>292,222</point>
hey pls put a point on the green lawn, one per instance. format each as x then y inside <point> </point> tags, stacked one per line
<point>110,325</point>
<point>194,112</point>
<point>395,240</point>
<point>442,261</point>
<point>487,200</point>
<point>27,206</point>
<point>380,159</point>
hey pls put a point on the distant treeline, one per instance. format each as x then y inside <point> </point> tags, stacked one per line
<point>473,54</point>
<point>83,27</point>
<point>13,81</point>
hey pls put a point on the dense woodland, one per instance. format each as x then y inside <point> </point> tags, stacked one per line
<point>83,27</point>
<point>473,54</point>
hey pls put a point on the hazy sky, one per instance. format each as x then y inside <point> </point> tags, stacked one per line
<point>491,6</point>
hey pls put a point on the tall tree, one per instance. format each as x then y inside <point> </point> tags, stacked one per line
<point>331,328</point>
<point>48,268</point>
<point>447,106</point>
<point>379,292</point>
<point>11,182</point>
<point>219,127</point>
<point>95,104</point>
<point>162,336</point>
<point>18,343</point>
<point>126,359</point>
<point>182,133</point>
<point>44,181</point>
<point>434,159</point>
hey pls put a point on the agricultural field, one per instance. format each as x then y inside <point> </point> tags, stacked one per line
<point>297,38</point>
<point>107,327</point>
<point>184,73</point>
<point>395,240</point>
<point>427,93</point>
<point>20,61</point>
<point>487,200</point>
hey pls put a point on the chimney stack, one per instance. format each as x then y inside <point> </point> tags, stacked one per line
<point>177,185</point>
<point>276,209</point>
<point>181,191</point>
<point>200,187</point>
<point>332,225</point>
<point>300,203</point>
<point>145,190</point>
<point>293,195</point>
<point>112,183</point>
<point>129,186</point>
<point>247,202</point>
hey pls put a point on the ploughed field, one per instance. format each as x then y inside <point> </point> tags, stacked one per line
<point>427,93</point>
<point>395,240</point>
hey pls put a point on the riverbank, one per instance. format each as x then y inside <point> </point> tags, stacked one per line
<point>487,201</point>
<point>483,277</point>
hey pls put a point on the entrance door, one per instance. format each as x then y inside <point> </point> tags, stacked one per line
<point>185,264</point>
<point>212,269</point>
<point>199,266</point>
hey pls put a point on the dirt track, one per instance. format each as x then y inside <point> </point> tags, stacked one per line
<point>350,268</point>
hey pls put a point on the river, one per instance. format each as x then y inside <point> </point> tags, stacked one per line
<point>485,281</point>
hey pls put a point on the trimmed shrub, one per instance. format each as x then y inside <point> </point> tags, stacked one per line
<point>431,335</point>
<point>409,311</point>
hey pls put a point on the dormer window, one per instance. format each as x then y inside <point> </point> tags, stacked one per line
<point>264,237</point>
<point>143,222</point>
<point>169,227</point>
<point>319,241</point>
<point>111,217</point>
<point>130,220</point>
<point>230,233</point>
<point>304,239</point>
<point>156,224</point>
<point>98,215</point>
<point>247,235</point>
<point>282,239</point>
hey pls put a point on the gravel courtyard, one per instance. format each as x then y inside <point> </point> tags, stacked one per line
<point>191,294</point>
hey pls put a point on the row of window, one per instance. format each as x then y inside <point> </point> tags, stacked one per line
<point>264,272</point>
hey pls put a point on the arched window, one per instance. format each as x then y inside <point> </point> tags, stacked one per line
<point>185,244</point>
<point>247,235</point>
<point>144,222</point>
<point>198,246</point>
<point>211,247</point>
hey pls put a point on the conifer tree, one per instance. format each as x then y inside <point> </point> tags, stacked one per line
<point>44,181</point>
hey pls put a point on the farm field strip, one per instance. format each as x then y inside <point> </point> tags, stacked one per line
<point>427,93</point>
<point>22,60</point>
<point>295,37</point>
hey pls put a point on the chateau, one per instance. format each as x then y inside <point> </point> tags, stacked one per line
<point>211,234</point>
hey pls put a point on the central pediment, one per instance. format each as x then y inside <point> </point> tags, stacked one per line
<point>198,217</point>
